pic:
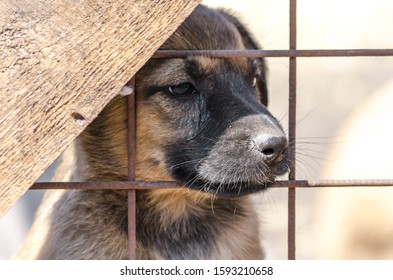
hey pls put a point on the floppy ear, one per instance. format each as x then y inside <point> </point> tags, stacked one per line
<point>250,43</point>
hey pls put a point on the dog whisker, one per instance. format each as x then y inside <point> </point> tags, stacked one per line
<point>304,162</point>
<point>197,161</point>
<point>209,139</point>
<point>197,149</point>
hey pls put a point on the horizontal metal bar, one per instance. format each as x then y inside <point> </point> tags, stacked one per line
<point>134,185</point>
<point>274,53</point>
<point>114,185</point>
<point>332,183</point>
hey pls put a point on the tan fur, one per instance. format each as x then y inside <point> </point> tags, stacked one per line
<point>208,64</point>
<point>151,135</point>
<point>177,202</point>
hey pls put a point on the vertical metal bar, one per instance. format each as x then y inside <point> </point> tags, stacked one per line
<point>131,172</point>
<point>292,134</point>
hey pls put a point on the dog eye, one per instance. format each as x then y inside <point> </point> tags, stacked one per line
<point>182,89</point>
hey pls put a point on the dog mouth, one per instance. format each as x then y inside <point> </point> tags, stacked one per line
<point>237,189</point>
<point>240,184</point>
<point>232,189</point>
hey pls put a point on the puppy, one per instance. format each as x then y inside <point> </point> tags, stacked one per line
<point>201,122</point>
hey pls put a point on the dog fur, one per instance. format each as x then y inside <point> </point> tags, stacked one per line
<point>201,122</point>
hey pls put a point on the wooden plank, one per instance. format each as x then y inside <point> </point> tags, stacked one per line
<point>61,61</point>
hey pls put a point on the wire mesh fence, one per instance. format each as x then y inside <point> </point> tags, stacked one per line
<point>292,183</point>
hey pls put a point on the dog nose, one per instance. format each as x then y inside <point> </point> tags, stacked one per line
<point>272,148</point>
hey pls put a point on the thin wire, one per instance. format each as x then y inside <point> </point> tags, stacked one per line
<point>292,134</point>
<point>135,185</point>
<point>131,194</point>
<point>274,53</point>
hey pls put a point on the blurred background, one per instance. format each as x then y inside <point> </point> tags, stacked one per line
<point>344,130</point>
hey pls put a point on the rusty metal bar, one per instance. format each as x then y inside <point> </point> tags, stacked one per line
<point>131,201</point>
<point>134,185</point>
<point>116,185</point>
<point>274,53</point>
<point>292,133</point>
<point>333,183</point>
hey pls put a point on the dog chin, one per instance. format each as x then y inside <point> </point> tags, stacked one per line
<point>239,188</point>
<point>231,190</point>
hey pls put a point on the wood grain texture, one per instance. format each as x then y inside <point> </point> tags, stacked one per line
<point>61,62</point>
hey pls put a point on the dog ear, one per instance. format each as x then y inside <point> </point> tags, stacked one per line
<point>250,43</point>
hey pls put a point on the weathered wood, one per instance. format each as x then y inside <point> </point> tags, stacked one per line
<point>61,61</point>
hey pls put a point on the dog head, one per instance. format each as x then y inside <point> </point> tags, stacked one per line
<point>204,120</point>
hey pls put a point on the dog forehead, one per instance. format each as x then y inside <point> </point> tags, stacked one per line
<point>179,70</point>
<point>210,66</point>
<point>205,29</point>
